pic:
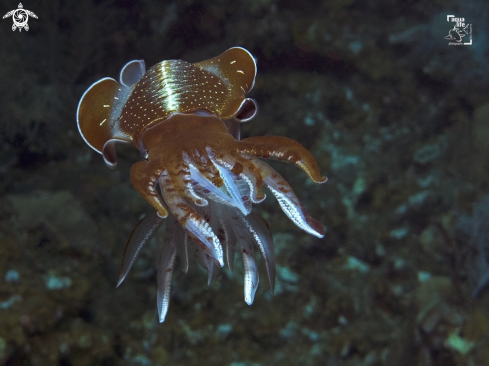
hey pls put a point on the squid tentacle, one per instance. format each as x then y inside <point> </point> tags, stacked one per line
<point>227,234</point>
<point>251,278</point>
<point>233,190</point>
<point>144,177</point>
<point>282,149</point>
<point>245,241</point>
<point>183,181</point>
<point>191,220</point>
<point>165,268</point>
<point>206,167</point>
<point>204,259</point>
<point>225,196</point>
<point>142,233</point>
<point>244,190</point>
<point>288,201</point>
<point>243,168</point>
<point>262,236</point>
<point>182,247</point>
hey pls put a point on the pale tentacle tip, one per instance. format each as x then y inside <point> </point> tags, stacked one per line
<point>201,202</point>
<point>119,281</point>
<point>162,317</point>
<point>322,180</point>
<point>318,229</point>
<point>162,215</point>
<point>220,261</point>
<point>319,235</point>
<point>260,197</point>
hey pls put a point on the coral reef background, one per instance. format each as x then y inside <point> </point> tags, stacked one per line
<point>397,118</point>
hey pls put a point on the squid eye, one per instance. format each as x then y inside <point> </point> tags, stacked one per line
<point>247,111</point>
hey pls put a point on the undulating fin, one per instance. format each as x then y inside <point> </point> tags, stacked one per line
<point>132,72</point>
<point>97,114</point>
<point>142,233</point>
<point>247,111</point>
<point>93,113</point>
<point>109,154</point>
<point>237,68</point>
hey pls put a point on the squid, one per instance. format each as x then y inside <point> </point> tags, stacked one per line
<point>195,171</point>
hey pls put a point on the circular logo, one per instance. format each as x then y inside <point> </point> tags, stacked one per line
<point>20,18</point>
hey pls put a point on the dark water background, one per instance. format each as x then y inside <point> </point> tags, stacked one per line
<point>397,118</point>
